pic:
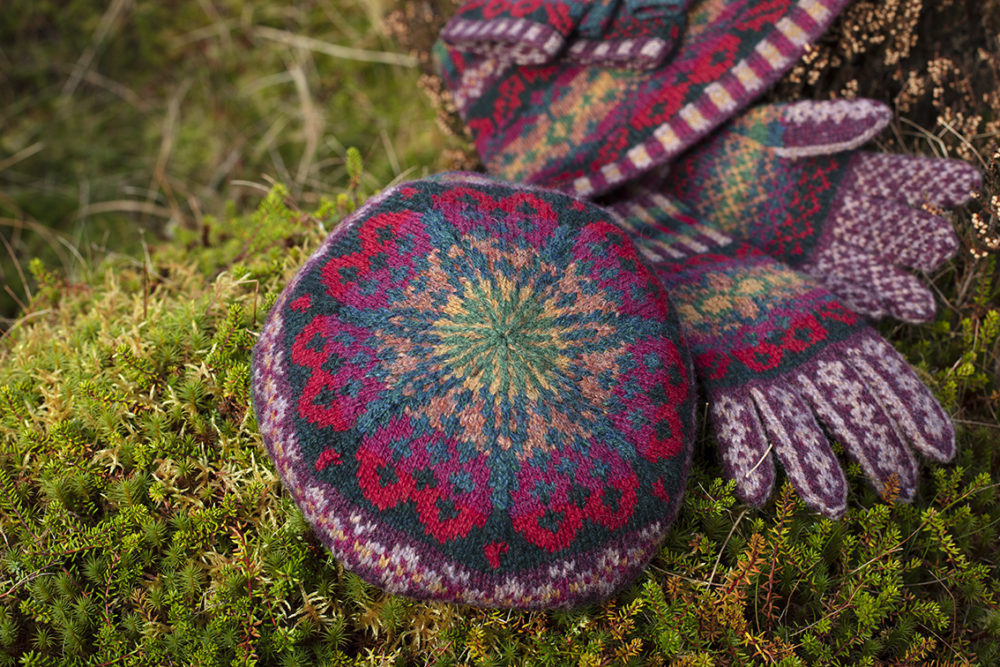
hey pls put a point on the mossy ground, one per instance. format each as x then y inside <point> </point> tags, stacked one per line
<point>142,522</point>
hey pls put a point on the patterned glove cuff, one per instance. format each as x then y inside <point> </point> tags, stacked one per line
<point>662,228</point>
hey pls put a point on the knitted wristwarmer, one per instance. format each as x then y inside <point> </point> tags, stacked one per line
<point>636,34</point>
<point>783,178</point>
<point>587,129</point>
<point>474,392</point>
<point>782,362</point>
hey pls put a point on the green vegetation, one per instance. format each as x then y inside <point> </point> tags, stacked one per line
<point>122,117</point>
<point>141,522</point>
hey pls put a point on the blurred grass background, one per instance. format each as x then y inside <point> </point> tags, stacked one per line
<point>119,117</point>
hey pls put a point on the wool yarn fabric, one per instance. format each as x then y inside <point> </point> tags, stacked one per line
<point>782,362</point>
<point>638,34</point>
<point>586,129</point>
<point>783,178</point>
<point>474,391</point>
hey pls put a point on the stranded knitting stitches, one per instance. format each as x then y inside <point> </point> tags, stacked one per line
<point>474,392</point>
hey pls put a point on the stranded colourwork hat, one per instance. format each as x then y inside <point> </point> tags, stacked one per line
<point>585,129</point>
<point>475,392</point>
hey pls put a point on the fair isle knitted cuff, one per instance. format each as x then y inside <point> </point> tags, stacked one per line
<point>585,130</point>
<point>474,393</point>
<point>608,33</point>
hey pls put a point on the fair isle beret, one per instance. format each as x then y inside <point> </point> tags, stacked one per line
<point>586,129</point>
<point>476,392</point>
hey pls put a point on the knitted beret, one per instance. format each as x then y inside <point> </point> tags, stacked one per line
<point>585,129</point>
<point>475,392</point>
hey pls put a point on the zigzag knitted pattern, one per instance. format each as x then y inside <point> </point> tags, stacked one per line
<point>474,392</point>
<point>587,129</point>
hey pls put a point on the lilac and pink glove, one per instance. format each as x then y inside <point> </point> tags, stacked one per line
<point>783,362</point>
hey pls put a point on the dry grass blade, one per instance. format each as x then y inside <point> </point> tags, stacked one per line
<point>335,50</point>
<point>21,155</point>
<point>125,206</point>
<point>108,21</point>
<point>312,123</point>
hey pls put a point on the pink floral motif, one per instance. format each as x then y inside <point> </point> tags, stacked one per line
<point>324,401</point>
<point>450,492</point>
<point>389,242</point>
<point>530,216</point>
<point>552,502</point>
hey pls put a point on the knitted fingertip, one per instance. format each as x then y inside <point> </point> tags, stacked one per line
<point>915,181</point>
<point>802,448</point>
<point>870,286</point>
<point>744,450</point>
<point>475,392</point>
<point>849,409</point>
<point>914,409</point>
<point>894,232</point>
<point>830,126</point>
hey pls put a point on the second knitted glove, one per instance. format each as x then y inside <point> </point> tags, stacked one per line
<point>783,362</point>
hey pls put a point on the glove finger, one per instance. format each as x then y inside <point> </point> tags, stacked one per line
<point>803,449</point>
<point>917,414</point>
<point>848,408</point>
<point>801,129</point>
<point>830,126</point>
<point>870,286</point>
<point>913,180</point>
<point>743,447</point>
<point>894,232</point>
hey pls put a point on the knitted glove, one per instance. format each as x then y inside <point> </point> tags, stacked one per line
<point>782,178</point>
<point>636,34</point>
<point>783,362</point>
<point>586,130</point>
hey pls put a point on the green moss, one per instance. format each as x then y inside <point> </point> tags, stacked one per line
<point>144,524</point>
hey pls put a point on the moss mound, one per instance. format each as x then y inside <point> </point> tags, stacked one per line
<point>143,523</point>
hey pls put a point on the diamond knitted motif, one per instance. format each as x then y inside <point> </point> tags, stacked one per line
<point>474,392</point>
